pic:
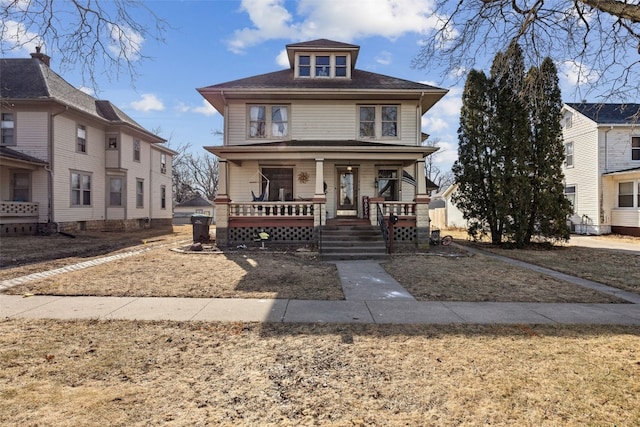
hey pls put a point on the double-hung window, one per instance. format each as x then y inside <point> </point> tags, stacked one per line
<point>139,193</point>
<point>81,145</point>
<point>378,121</point>
<point>268,121</point>
<point>322,65</point>
<point>80,189</point>
<point>568,154</point>
<point>163,197</point>
<point>115,191</point>
<point>136,150</point>
<point>7,135</point>
<point>635,148</point>
<point>570,194</point>
<point>163,163</point>
<point>629,194</point>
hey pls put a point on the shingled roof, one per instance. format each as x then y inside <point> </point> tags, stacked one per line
<point>8,153</point>
<point>609,113</point>
<point>31,80</point>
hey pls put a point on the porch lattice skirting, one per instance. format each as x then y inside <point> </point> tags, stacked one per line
<point>293,235</point>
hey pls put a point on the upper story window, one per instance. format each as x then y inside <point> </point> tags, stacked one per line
<point>323,65</point>
<point>635,148</point>
<point>268,121</point>
<point>568,154</point>
<point>378,121</point>
<point>163,163</point>
<point>7,135</point>
<point>136,150</point>
<point>81,145</point>
<point>112,143</point>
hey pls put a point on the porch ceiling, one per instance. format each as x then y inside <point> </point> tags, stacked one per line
<point>340,151</point>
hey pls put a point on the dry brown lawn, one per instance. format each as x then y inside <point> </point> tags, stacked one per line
<point>132,373</point>
<point>116,373</point>
<point>289,274</point>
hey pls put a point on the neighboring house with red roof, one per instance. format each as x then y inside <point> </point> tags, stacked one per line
<point>318,143</point>
<point>602,167</point>
<point>70,162</point>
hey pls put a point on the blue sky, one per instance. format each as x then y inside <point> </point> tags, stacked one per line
<point>215,41</point>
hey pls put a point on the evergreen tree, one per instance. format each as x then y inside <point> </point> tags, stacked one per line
<point>510,152</point>
<point>478,195</point>
<point>550,207</point>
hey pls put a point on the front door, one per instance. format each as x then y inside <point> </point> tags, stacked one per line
<point>347,191</point>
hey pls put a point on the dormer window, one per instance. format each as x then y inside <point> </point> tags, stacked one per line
<point>323,65</point>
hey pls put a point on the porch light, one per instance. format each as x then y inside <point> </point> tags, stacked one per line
<point>349,168</point>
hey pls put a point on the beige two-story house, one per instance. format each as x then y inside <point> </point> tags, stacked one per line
<point>602,167</point>
<point>320,142</point>
<point>70,162</point>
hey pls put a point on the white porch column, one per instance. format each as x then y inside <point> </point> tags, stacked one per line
<point>422,206</point>
<point>319,198</point>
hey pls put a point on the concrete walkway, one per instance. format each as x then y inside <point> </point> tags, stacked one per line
<point>371,296</point>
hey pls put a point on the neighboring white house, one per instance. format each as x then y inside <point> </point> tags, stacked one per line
<point>198,205</point>
<point>319,141</point>
<point>70,162</point>
<point>602,167</point>
<point>443,212</point>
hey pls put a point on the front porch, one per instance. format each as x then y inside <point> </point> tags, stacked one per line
<point>19,218</point>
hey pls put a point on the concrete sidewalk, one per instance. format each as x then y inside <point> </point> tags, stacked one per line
<point>371,296</point>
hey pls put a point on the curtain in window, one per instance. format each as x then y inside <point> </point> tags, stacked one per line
<point>257,122</point>
<point>279,121</point>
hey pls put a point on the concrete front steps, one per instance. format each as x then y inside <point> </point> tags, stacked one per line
<point>344,240</point>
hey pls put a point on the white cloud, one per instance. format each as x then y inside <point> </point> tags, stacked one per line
<point>282,59</point>
<point>384,58</point>
<point>16,37</point>
<point>87,90</point>
<point>149,102</point>
<point>574,73</point>
<point>125,42</point>
<point>343,20</point>
<point>204,109</point>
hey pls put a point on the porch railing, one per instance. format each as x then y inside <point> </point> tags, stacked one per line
<point>22,210</point>
<point>397,208</point>
<point>271,209</point>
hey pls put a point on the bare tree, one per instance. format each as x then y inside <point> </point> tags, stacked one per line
<point>99,37</point>
<point>442,178</point>
<point>203,171</point>
<point>591,38</point>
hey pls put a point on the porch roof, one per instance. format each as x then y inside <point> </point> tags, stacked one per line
<point>350,150</point>
<point>9,157</point>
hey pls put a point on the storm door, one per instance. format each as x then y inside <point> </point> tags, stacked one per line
<point>347,191</point>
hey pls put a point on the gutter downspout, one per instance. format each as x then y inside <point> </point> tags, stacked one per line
<point>224,122</point>
<point>50,213</point>
<point>606,169</point>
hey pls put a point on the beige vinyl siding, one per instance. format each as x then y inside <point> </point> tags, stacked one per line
<point>136,170</point>
<point>39,193</point>
<point>322,121</point>
<point>585,173</point>
<point>32,132</point>
<point>67,160</point>
<point>157,180</point>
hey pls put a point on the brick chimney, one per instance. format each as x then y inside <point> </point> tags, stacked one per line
<point>46,59</point>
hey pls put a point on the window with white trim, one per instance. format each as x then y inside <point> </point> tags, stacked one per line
<point>568,154</point>
<point>635,148</point>
<point>80,189</point>
<point>378,121</point>
<point>7,132</point>
<point>163,163</point>
<point>81,144</point>
<point>322,65</point>
<point>570,194</point>
<point>268,121</point>
<point>20,186</point>
<point>629,194</point>
<point>115,191</point>
<point>163,197</point>
<point>139,193</point>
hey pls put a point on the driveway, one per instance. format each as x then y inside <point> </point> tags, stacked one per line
<point>603,243</point>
